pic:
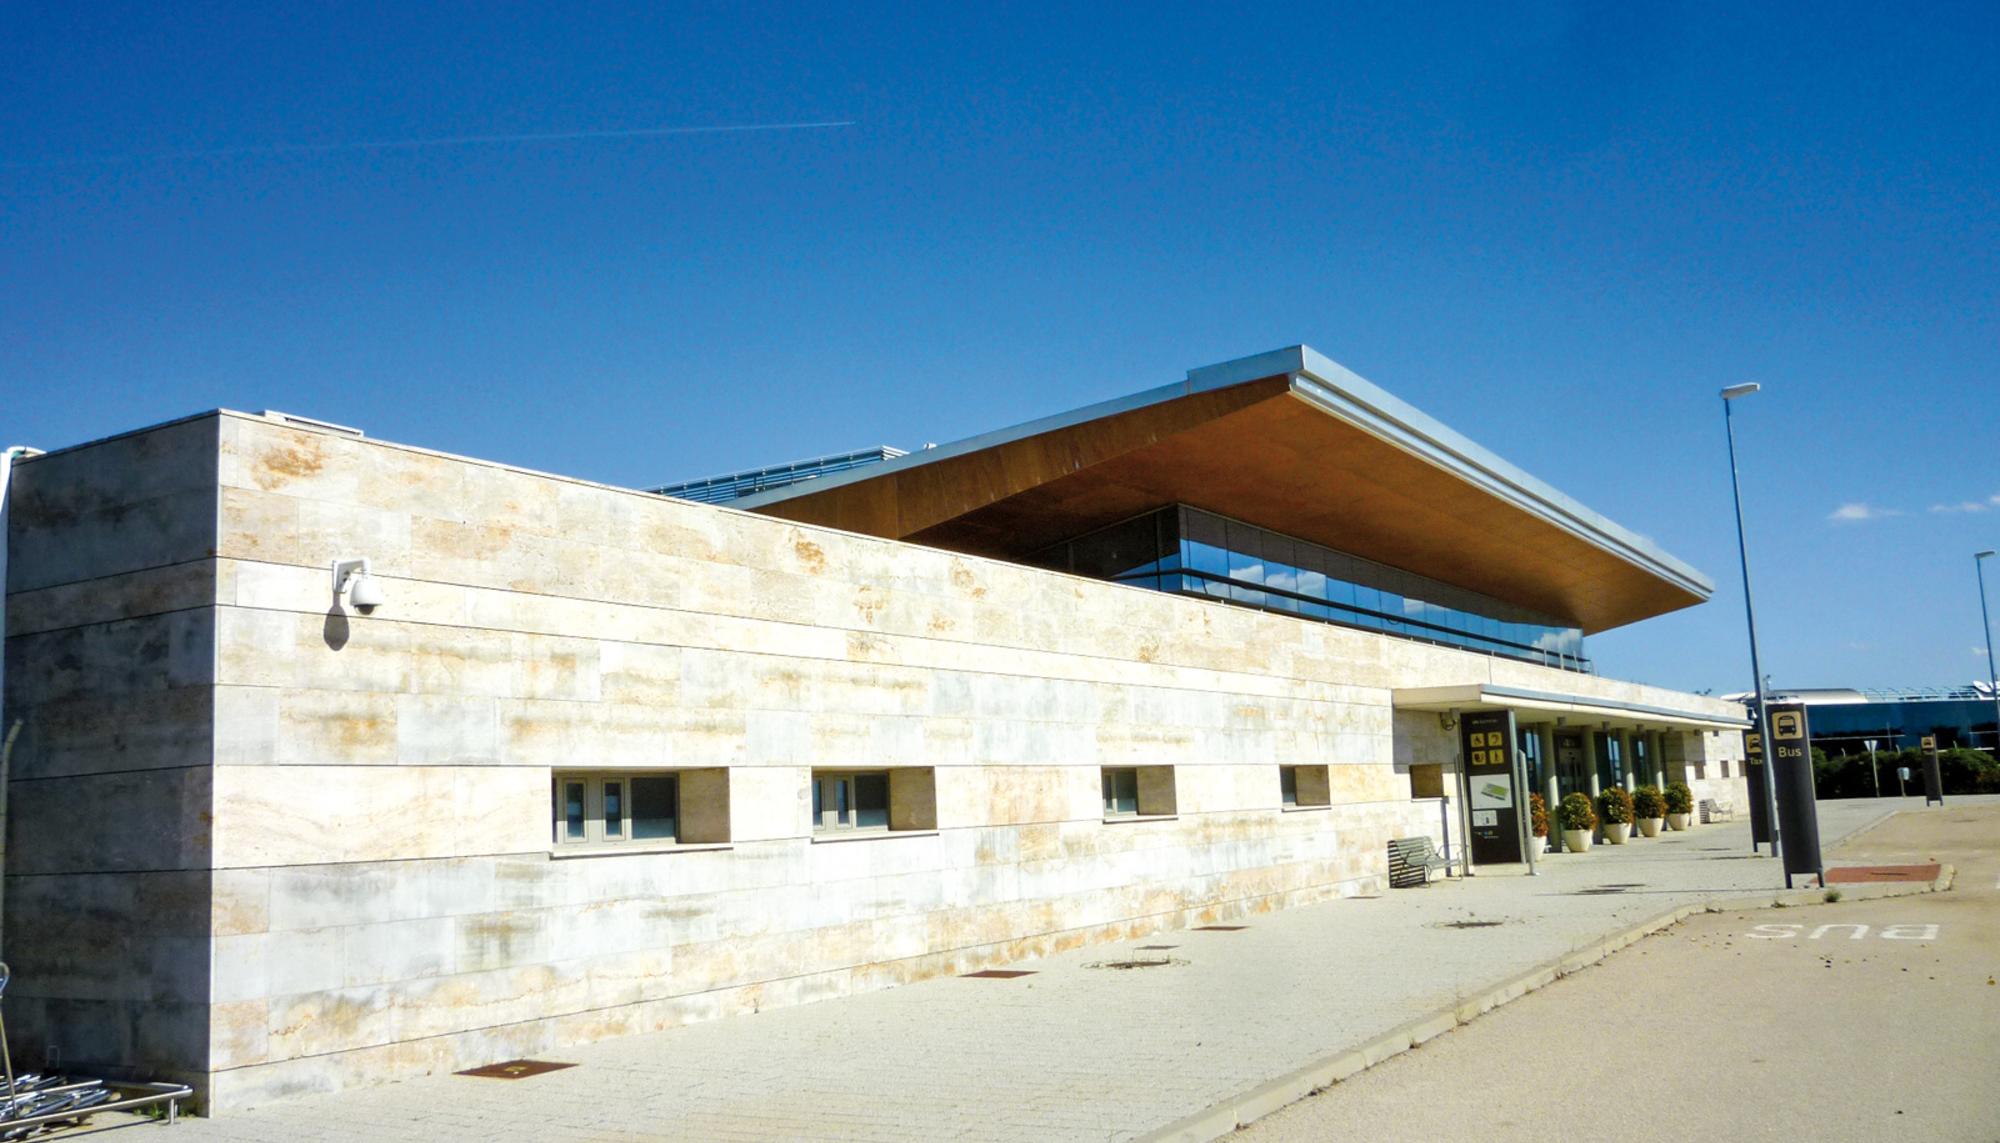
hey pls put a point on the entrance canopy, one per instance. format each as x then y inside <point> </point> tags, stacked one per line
<point>1547,706</point>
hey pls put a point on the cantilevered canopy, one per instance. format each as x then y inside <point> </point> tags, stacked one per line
<point>1542,706</point>
<point>1287,440</point>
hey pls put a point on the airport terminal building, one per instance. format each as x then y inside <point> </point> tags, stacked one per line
<point>600,761</point>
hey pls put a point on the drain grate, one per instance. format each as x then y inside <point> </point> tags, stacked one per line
<point>997,974</point>
<point>515,1069</point>
<point>1157,948</point>
<point>1470,924</point>
<point>1127,965</point>
<point>1220,928</point>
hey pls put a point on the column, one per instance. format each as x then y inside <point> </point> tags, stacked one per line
<point>1625,759</point>
<point>1656,753</point>
<point>1545,737</point>
<point>1590,767</point>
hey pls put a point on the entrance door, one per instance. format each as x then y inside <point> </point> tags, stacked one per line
<point>1571,775</point>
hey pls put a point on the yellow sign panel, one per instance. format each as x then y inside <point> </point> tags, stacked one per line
<point>1930,742</point>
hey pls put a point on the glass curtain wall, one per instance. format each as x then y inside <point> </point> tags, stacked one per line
<point>1191,552</point>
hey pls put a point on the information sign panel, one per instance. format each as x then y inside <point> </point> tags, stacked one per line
<point>1758,775</point>
<point>1493,786</point>
<point>1791,771</point>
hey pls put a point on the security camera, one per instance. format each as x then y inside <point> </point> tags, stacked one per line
<point>363,593</point>
<point>352,578</point>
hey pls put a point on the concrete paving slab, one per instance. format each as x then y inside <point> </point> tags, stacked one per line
<point>1081,1052</point>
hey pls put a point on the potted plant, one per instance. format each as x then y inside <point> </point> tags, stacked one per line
<point>1538,824</point>
<point>1649,805</point>
<point>1680,804</point>
<point>1578,821</point>
<point>1616,806</point>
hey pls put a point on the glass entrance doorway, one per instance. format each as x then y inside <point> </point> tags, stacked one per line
<point>1572,775</point>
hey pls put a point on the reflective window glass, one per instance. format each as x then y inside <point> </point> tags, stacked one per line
<point>573,811</point>
<point>1246,553</point>
<point>654,808</point>
<point>614,809</point>
<point>871,801</point>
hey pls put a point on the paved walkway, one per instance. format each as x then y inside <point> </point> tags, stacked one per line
<point>1072,1051</point>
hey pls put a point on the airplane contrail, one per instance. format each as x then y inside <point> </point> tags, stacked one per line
<point>414,144</point>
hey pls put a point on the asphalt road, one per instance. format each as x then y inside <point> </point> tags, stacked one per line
<point>1722,1029</point>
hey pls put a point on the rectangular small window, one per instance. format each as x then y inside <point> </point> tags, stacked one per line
<point>874,801</point>
<point>1302,787</point>
<point>657,807</point>
<point>1138,791</point>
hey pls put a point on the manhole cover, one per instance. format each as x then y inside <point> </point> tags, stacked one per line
<point>1599,891</point>
<point>1220,928</point>
<point>997,974</point>
<point>1136,962</point>
<point>1157,948</point>
<point>515,1069</point>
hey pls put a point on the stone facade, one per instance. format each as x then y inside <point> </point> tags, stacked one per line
<point>270,845</point>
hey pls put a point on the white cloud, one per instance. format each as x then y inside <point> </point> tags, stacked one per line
<point>1989,504</point>
<point>1860,511</point>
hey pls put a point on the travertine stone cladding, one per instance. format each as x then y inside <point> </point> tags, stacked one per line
<point>385,897</point>
<point>110,672</point>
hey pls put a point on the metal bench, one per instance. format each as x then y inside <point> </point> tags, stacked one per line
<point>1711,811</point>
<point>1411,860</point>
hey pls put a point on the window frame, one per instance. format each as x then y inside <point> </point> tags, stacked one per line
<point>821,826</point>
<point>709,784</point>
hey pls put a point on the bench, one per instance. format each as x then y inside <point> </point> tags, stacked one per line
<point>1411,860</point>
<point>1711,811</point>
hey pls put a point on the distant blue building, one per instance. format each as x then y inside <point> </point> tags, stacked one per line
<point>1843,721</point>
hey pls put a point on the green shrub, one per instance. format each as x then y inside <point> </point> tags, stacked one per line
<point>1680,799</point>
<point>1538,816</point>
<point>1647,802</point>
<point>1616,806</point>
<point>1575,813</point>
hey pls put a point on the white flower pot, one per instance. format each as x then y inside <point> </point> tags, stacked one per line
<point>1649,827</point>
<point>1576,840</point>
<point>1677,822</point>
<point>1615,833</point>
<point>1538,843</point>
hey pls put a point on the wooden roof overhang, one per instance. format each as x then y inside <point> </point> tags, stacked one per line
<point>1286,440</point>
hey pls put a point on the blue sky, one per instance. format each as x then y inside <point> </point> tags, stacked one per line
<point>1558,227</point>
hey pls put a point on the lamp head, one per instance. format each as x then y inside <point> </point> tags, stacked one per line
<point>1982,555</point>
<point>1743,390</point>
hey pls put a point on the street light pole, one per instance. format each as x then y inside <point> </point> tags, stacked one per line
<point>1729,395</point>
<point>1986,630</point>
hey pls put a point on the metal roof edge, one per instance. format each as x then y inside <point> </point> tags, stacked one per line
<point>1340,392</point>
